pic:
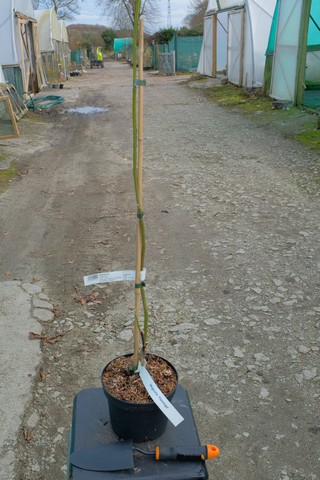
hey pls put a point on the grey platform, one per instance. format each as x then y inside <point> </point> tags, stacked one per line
<point>91,428</point>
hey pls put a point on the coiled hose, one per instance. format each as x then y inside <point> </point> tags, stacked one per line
<point>42,103</point>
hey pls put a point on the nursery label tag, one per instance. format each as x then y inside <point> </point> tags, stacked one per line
<point>157,396</point>
<point>107,277</point>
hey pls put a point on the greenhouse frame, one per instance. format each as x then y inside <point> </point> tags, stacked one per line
<point>236,34</point>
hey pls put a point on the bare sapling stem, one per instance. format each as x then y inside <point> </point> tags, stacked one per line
<point>137,175</point>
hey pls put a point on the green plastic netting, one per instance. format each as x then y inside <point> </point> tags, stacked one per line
<point>273,31</point>
<point>187,52</point>
<point>120,45</point>
<point>314,25</point>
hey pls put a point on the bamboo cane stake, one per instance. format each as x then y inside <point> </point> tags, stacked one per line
<point>139,239</point>
<point>137,298</point>
<point>141,99</point>
<point>140,165</point>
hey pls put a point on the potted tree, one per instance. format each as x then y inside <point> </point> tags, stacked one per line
<point>133,413</point>
<point>131,382</point>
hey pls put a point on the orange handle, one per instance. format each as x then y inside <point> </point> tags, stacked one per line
<point>201,452</point>
<point>212,451</point>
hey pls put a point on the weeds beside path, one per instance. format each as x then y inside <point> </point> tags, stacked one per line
<point>295,123</point>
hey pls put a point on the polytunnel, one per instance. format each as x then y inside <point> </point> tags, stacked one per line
<point>48,28</point>
<point>235,38</point>
<point>20,59</point>
<point>53,40</point>
<point>292,72</point>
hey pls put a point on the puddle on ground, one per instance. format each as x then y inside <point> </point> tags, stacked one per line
<point>87,110</point>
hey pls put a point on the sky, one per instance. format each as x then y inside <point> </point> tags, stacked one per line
<point>91,14</point>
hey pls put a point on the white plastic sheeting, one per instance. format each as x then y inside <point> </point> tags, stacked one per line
<point>2,79</point>
<point>205,65</point>
<point>258,17</point>
<point>235,46</point>
<point>283,82</point>
<point>312,67</point>
<point>206,55</point>
<point>49,29</point>
<point>247,38</point>
<point>53,40</point>
<point>224,4</point>
<point>63,32</point>
<point>9,34</point>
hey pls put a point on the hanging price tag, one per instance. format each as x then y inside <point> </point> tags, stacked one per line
<point>157,396</point>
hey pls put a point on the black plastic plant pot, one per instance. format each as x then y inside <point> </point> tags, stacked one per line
<point>139,422</point>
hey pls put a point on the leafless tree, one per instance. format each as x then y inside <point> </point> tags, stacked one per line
<point>122,11</point>
<point>197,10</point>
<point>65,9</point>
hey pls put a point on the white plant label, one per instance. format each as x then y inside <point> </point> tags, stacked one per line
<point>108,277</point>
<point>157,396</point>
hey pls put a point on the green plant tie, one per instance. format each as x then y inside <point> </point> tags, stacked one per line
<point>140,285</point>
<point>139,83</point>
<point>132,370</point>
<point>140,215</point>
